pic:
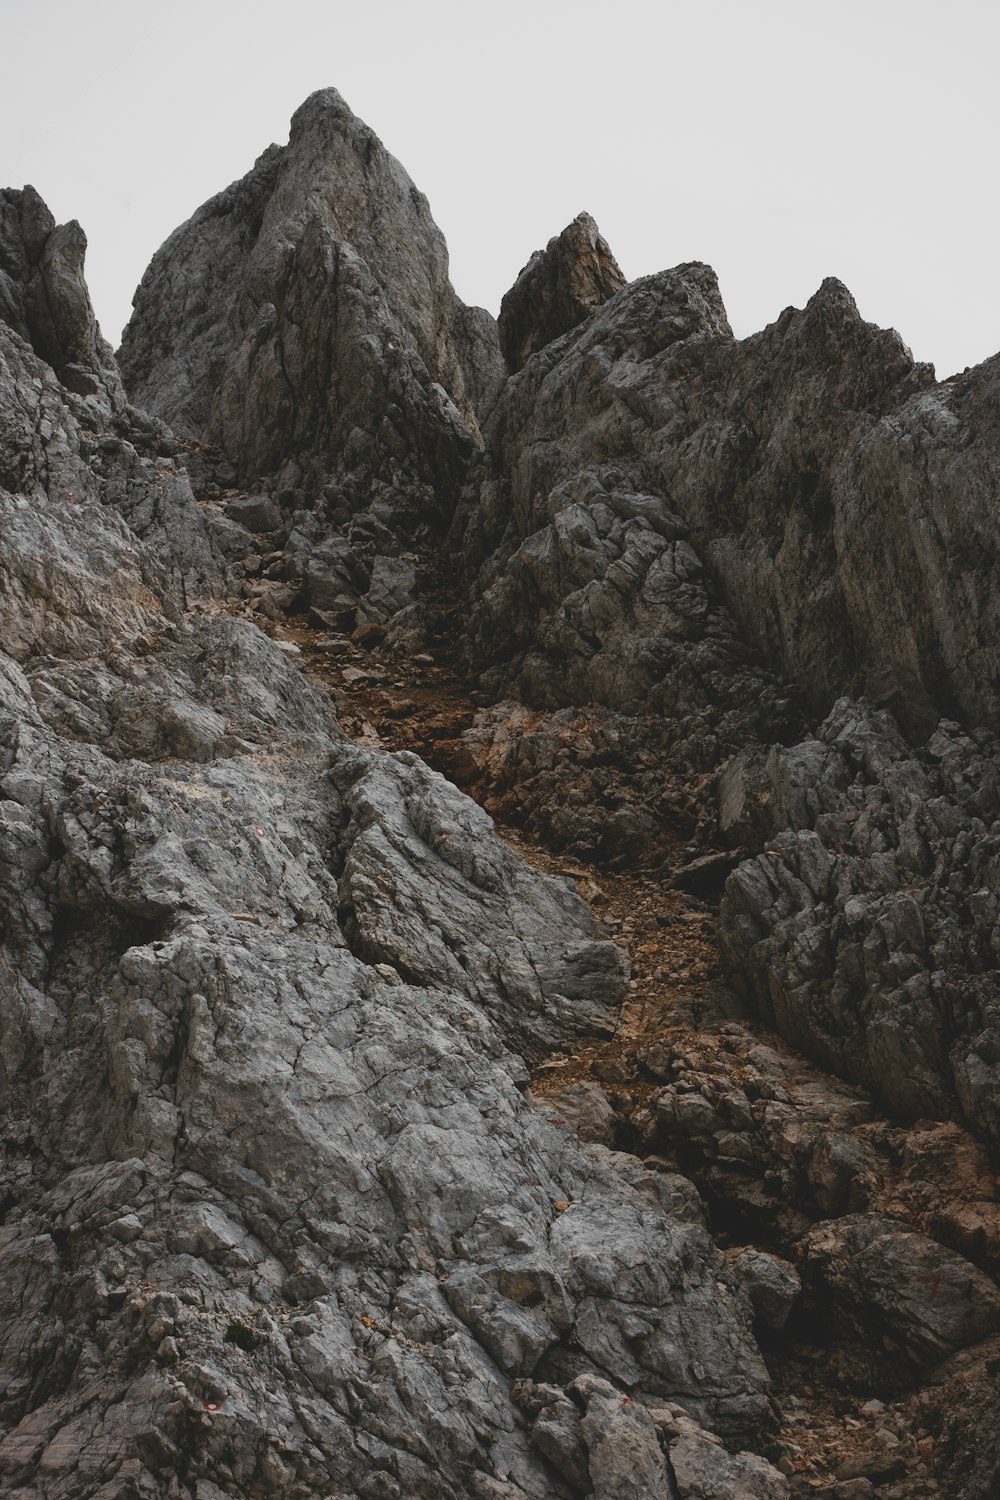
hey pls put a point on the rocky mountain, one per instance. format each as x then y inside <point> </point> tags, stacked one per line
<point>499,841</point>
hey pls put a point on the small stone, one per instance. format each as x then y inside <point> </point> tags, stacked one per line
<point>369,635</point>
<point>126,1229</point>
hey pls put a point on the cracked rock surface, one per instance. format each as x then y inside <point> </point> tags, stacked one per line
<point>357,1146</point>
<point>277,1213</point>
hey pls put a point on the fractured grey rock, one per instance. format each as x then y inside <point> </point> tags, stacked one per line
<point>703,1470</point>
<point>305,316</point>
<point>558,288</point>
<point>44,297</point>
<point>278,1216</point>
<point>770,450</point>
<point>623,1455</point>
<point>866,930</point>
<point>585,1107</point>
<point>255,512</point>
<point>961,1405</point>
<point>432,890</point>
<point>924,1301</point>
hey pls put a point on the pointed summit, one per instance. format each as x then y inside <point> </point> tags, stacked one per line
<point>43,294</point>
<point>558,288</point>
<point>309,303</point>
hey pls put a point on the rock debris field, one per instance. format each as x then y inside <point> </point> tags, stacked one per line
<point>500,860</point>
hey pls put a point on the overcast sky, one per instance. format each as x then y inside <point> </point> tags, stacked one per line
<point>780,140</point>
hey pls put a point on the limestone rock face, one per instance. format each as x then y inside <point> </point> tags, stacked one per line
<point>301,333</point>
<point>666,517</point>
<point>963,1400</point>
<point>278,1214</point>
<point>306,313</point>
<point>867,927</point>
<point>474,918</point>
<point>346,1152</point>
<point>558,288</point>
<point>44,297</point>
<point>591,587</point>
<point>801,462</point>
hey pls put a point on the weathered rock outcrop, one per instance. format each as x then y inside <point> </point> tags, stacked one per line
<point>867,928</point>
<point>558,288</point>
<point>301,327</point>
<point>920,1301</point>
<point>428,887</point>
<point>278,1215</point>
<point>304,323</point>
<point>646,462</point>
<point>284,1209</point>
<point>841,500</point>
<point>44,297</point>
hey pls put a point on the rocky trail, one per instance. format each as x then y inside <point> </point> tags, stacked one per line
<point>828,1434</point>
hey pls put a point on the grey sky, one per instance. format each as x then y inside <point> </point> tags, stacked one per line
<point>781,142</point>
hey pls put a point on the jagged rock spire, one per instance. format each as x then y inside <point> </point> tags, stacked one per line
<point>559,287</point>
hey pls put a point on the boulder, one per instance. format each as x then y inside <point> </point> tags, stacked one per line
<point>923,1301</point>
